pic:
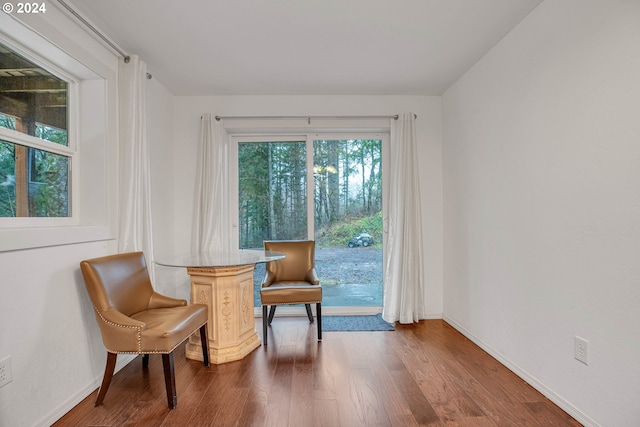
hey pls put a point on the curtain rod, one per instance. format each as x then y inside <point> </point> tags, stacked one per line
<point>97,32</point>
<point>394,117</point>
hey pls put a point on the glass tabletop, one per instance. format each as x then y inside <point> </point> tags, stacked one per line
<point>221,258</point>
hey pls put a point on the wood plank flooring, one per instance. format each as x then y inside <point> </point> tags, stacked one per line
<point>425,374</point>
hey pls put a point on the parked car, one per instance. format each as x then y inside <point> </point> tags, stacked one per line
<point>364,239</point>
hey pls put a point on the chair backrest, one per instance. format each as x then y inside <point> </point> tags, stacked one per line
<point>299,260</point>
<point>118,281</point>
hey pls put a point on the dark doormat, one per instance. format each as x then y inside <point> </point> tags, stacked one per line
<point>355,323</point>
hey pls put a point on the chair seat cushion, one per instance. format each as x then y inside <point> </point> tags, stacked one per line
<point>166,328</point>
<point>291,292</point>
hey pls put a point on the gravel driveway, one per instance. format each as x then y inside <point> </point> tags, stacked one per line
<point>349,265</point>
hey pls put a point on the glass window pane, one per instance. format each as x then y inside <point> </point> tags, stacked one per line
<point>272,192</point>
<point>348,220</point>
<point>33,183</point>
<point>348,189</point>
<point>7,180</point>
<point>52,134</point>
<point>32,100</point>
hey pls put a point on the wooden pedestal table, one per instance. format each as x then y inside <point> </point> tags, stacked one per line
<point>224,282</point>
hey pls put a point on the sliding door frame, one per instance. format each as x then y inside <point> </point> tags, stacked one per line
<point>308,138</point>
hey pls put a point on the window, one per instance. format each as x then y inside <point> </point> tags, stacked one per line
<point>58,170</point>
<point>35,157</point>
<point>326,187</point>
<point>272,192</point>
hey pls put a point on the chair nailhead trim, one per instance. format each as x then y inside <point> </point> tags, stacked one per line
<point>138,328</point>
<point>154,351</point>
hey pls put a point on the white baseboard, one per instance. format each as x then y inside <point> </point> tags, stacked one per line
<point>60,411</point>
<point>565,405</point>
<point>433,316</point>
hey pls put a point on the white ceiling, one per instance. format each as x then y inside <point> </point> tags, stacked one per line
<point>306,47</point>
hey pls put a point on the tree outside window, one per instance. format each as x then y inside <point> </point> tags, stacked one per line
<point>34,169</point>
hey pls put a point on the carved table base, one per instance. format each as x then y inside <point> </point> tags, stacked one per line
<point>228,292</point>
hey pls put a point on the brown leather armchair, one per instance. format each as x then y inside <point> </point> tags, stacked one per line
<point>291,280</point>
<point>134,319</point>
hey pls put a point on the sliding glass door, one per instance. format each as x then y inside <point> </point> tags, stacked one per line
<point>348,220</point>
<point>322,187</point>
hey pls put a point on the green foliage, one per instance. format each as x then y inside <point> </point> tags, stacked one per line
<point>7,180</point>
<point>7,122</point>
<point>49,193</point>
<point>59,136</point>
<point>48,175</point>
<point>346,190</point>
<point>348,179</point>
<point>338,235</point>
<point>272,200</point>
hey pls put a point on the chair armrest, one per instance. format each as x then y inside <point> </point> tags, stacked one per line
<point>120,333</point>
<point>268,280</point>
<point>116,319</point>
<point>312,277</point>
<point>162,301</point>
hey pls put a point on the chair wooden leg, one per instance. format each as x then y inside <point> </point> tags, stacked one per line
<point>108,374</point>
<point>309,314</point>
<point>264,324</point>
<point>319,316</point>
<point>271,313</point>
<point>204,339</point>
<point>170,380</point>
<point>145,360</point>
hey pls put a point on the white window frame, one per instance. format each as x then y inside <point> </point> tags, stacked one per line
<point>92,73</point>
<point>333,130</point>
<point>30,141</point>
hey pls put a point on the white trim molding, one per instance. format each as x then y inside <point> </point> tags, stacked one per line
<point>565,405</point>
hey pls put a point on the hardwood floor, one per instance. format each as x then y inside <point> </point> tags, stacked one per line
<point>421,374</point>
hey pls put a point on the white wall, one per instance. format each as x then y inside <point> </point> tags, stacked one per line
<point>48,328</point>
<point>47,325</point>
<point>542,204</point>
<point>160,137</point>
<point>187,124</point>
<point>541,208</point>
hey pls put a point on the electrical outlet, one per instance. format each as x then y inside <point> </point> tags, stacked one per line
<point>5,371</point>
<point>581,350</point>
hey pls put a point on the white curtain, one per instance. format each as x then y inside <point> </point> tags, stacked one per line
<point>404,275</point>
<point>210,226</point>
<point>135,228</point>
